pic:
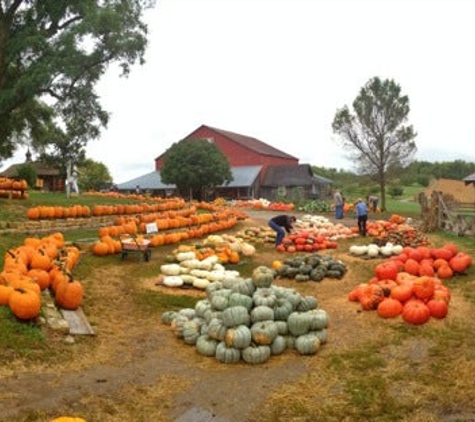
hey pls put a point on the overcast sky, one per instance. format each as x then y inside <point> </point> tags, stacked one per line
<point>278,70</point>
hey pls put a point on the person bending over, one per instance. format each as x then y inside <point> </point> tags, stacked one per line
<point>281,224</point>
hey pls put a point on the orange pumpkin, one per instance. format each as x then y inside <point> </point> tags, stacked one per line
<point>25,304</point>
<point>389,308</point>
<point>423,287</point>
<point>415,312</point>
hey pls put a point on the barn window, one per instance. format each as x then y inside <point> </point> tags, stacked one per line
<point>281,191</point>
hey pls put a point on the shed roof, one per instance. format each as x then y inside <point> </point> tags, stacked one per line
<point>151,181</point>
<point>242,176</point>
<point>40,168</point>
<point>299,175</point>
<point>469,179</point>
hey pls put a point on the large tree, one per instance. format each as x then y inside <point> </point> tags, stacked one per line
<point>377,135</point>
<point>52,54</point>
<point>195,166</point>
<point>93,175</point>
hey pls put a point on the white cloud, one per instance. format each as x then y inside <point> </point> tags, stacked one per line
<point>278,70</point>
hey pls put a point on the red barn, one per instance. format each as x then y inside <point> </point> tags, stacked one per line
<point>239,149</point>
<point>253,164</point>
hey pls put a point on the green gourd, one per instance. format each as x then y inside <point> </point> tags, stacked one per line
<point>237,298</point>
<point>206,346</point>
<point>307,303</point>
<point>235,315</point>
<point>264,332</point>
<point>307,344</point>
<point>263,276</point>
<point>238,337</point>
<point>256,354</point>
<point>282,309</point>
<point>262,313</point>
<point>318,319</point>
<point>191,331</point>
<point>264,296</point>
<point>278,346</point>
<point>216,329</point>
<point>299,323</point>
<point>225,354</point>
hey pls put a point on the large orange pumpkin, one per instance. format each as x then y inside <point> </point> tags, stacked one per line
<point>415,312</point>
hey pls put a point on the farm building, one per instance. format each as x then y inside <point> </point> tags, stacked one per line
<point>47,178</point>
<point>259,171</point>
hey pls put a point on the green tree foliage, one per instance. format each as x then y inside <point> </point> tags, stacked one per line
<point>28,173</point>
<point>423,172</point>
<point>52,54</point>
<point>94,176</point>
<point>377,134</point>
<point>194,166</point>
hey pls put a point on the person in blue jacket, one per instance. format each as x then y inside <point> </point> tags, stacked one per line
<point>281,224</point>
<point>361,210</point>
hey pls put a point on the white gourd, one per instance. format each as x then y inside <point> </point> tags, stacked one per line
<point>201,283</point>
<point>386,250</point>
<point>247,249</point>
<point>170,269</point>
<point>173,281</point>
<point>191,263</point>
<point>397,249</point>
<point>184,256</point>
<point>216,275</point>
<point>373,251</point>
<point>187,278</point>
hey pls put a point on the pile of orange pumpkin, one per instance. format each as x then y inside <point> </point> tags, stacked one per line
<point>306,241</point>
<point>36,265</point>
<point>411,284</point>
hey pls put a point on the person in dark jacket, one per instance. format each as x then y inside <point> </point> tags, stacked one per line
<point>281,224</point>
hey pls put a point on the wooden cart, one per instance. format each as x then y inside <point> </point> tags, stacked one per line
<point>134,246</point>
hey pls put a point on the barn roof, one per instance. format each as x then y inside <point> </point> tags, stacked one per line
<point>246,141</point>
<point>242,177</point>
<point>40,168</point>
<point>300,175</point>
<point>251,143</point>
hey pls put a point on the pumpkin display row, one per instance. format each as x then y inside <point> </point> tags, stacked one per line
<point>107,244</point>
<point>79,211</point>
<point>251,319</point>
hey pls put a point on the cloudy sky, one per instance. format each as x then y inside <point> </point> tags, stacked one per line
<point>278,70</point>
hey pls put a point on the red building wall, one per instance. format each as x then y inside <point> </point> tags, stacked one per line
<point>237,154</point>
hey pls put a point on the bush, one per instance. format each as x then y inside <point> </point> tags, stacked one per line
<point>395,191</point>
<point>27,173</point>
